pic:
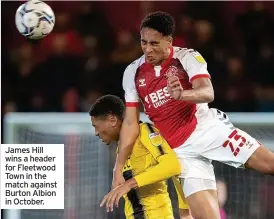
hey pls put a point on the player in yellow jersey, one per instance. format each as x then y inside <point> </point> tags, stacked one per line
<point>151,162</point>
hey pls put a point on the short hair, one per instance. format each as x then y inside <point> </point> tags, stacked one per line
<point>108,105</point>
<point>163,22</point>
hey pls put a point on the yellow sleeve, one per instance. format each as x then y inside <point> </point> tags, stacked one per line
<point>168,164</point>
<point>179,190</point>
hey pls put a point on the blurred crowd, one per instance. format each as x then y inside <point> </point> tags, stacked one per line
<point>93,42</point>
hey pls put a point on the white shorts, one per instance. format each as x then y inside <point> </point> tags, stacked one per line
<point>215,138</point>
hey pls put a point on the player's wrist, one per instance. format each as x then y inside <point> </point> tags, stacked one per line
<point>117,171</point>
<point>182,96</point>
<point>131,183</point>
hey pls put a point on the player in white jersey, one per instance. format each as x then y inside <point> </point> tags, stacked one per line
<point>174,86</point>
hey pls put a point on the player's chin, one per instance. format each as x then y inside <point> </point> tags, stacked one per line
<point>107,142</point>
<point>150,60</point>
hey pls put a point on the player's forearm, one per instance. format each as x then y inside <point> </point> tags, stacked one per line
<point>128,135</point>
<point>198,95</point>
<point>167,167</point>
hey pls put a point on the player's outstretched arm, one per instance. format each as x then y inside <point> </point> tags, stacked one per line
<point>130,127</point>
<point>128,135</point>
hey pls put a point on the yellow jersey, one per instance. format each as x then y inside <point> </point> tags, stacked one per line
<point>151,162</point>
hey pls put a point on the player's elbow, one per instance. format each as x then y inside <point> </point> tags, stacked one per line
<point>177,167</point>
<point>209,96</point>
<point>174,167</point>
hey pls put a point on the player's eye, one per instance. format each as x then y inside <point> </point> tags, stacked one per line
<point>154,43</point>
<point>143,43</point>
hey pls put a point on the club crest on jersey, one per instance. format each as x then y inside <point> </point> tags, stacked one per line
<point>171,71</point>
<point>156,139</point>
<point>142,82</point>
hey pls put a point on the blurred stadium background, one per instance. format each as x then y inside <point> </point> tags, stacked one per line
<point>84,58</point>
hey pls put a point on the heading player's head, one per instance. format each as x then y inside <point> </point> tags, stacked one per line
<point>107,115</point>
<point>157,30</point>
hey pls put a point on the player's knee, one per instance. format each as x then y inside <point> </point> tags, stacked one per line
<point>199,215</point>
<point>269,166</point>
<point>262,160</point>
<point>185,214</point>
<point>205,214</point>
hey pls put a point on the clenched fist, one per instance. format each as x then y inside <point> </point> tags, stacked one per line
<point>174,87</point>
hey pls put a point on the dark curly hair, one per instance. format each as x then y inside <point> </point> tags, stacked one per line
<point>163,22</point>
<point>108,105</point>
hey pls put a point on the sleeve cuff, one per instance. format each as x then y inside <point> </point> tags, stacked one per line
<point>138,180</point>
<point>132,104</point>
<point>199,76</point>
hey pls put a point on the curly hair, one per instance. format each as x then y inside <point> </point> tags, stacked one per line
<point>108,105</point>
<point>160,21</point>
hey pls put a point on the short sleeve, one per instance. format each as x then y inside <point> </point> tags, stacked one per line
<point>194,65</point>
<point>131,95</point>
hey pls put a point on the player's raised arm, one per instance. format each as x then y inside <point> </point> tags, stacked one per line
<point>130,127</point>
<point>196,68</point>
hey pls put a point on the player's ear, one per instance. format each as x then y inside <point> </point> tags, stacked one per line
<point>169,39</point>
<point>113,120</point>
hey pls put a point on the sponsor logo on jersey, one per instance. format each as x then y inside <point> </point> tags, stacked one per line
<point>156,139</point>
<point>158,98</point>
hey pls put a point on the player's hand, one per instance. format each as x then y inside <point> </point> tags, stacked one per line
<point>114,196</point>
<point>174,87</point>
<point>118,179</point>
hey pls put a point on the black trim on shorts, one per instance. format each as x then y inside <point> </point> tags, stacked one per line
<point>152,131</point>
<point>138,208</point>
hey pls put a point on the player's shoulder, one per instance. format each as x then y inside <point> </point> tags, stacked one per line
<point>147,129</point>
<point>132,67</point>
<point>143,128</point>
<point>150,135</point>
<point>184,54</point>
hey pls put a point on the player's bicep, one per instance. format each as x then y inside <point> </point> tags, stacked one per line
<point>131,116</point>
<point>201,83</point>
<point>130,127</point>
<point>129,130</point>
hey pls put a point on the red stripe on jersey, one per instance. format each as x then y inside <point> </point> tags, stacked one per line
<point>132,104</point>
<point>199,76</point>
